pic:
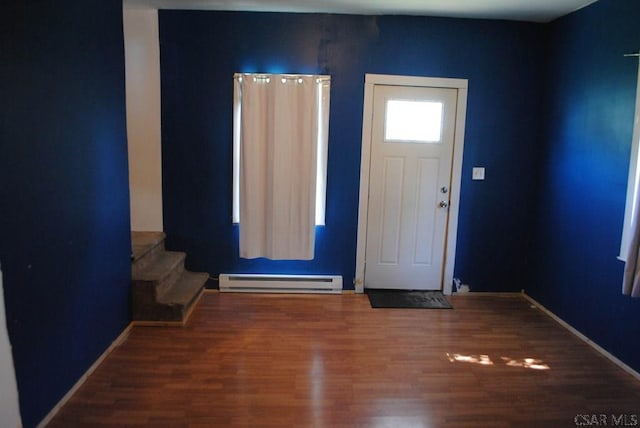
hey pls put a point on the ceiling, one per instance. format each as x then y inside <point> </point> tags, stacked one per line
<point>517,10</point>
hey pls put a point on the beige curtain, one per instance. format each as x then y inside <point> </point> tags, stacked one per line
<point>278,149</point>
<point>631,283</point>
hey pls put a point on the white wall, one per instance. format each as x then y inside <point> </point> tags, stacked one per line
<point>9,407</point>
<point>142,61</point>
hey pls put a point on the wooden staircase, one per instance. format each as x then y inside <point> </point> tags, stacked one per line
<point>163,292</point>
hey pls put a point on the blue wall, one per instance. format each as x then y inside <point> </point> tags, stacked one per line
<point>589,123</point>
<point>200,51</point>
<point>64,198</point>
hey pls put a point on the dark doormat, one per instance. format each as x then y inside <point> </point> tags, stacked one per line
<point>408,299</point>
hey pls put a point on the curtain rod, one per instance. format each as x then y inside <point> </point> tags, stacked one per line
<point>321,77</point>
<point>633,54</point>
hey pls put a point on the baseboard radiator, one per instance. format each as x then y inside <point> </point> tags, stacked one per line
<point>258,283</point>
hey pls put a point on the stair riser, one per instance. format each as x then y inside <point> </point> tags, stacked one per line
<point>143,293</point>
<point>156,312</point>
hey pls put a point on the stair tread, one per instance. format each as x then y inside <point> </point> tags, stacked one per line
<point>162,266</point>
<point>143,242</point>
<point>185,289</point>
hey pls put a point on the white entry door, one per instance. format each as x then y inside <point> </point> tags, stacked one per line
<point>412,138</point>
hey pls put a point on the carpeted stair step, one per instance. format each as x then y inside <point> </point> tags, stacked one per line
<point>162,290</point>
<point>145,246</point>
<point>174,305</point>
<point>154,279</point>
<point>184,292</point>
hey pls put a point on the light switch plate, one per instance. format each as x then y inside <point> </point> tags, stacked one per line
<point>478,173</point>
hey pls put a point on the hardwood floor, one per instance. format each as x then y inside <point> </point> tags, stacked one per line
<point>331,361</point>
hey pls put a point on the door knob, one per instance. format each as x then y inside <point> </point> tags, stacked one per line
<point>443,204</point>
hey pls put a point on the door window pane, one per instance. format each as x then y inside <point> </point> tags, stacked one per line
<point>413,121</point>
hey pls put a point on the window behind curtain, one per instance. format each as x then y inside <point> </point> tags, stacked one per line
<point>323,86</point>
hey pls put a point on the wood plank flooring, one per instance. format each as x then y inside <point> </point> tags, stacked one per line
<point>331,361</point>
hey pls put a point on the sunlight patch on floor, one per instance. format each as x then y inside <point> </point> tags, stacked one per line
<point>485,360</point>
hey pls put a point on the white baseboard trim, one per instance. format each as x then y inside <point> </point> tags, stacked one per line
<point>584,338</point>
<point>119,340</point>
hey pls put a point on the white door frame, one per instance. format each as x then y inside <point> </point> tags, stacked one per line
<point>371,80</point>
